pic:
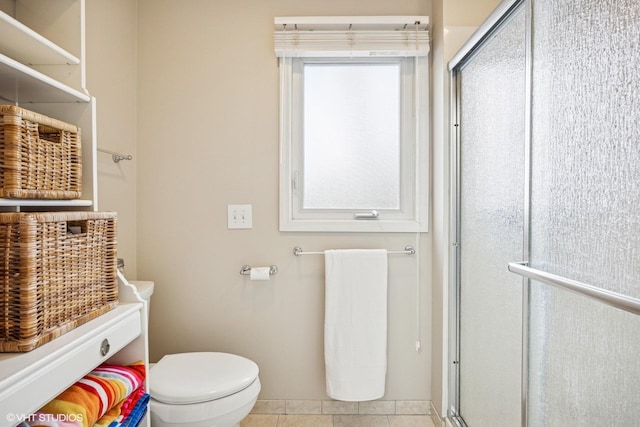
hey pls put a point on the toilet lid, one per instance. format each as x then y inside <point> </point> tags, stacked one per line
<point>200,377</point>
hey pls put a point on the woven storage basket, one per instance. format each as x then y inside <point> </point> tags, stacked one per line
<point>52,279</point>
<point>40,157</point>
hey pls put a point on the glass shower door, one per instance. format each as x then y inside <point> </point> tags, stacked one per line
<point>491,87</point>
<point>549,173</point>
<point>585,211</point>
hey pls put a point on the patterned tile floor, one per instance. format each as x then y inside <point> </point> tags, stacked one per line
<point>269,420</point>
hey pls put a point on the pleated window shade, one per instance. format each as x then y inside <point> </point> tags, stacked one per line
<point>351,36</point>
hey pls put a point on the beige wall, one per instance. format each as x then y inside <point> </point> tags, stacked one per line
<point>440,203</point>
<point>208,137</point>
<point>112,79</point>
<point>467,13</point>
<point>190,89</point>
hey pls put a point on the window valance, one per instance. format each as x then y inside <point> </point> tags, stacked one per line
<point>351,36</point>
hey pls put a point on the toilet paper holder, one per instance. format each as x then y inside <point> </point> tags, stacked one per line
<point>246,270</point>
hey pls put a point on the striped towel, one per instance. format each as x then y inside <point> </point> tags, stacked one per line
<point>120,413</point>
<point>93,396</point>
<point>137,413</point>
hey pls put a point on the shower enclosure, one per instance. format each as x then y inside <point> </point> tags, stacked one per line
<point>546,160</point>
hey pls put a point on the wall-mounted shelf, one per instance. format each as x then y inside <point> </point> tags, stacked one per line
<point>45,203</point>
<point>22,84</point>
<point>29,47</point>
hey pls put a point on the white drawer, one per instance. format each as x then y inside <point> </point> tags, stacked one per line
<point>29,380</point>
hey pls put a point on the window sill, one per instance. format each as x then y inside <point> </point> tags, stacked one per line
<point>354,226</point>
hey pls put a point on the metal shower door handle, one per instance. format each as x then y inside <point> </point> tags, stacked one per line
<point>614,299</point>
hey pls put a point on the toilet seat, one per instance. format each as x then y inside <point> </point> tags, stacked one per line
<point>188,378</point>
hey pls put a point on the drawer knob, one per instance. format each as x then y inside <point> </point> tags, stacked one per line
<point>104,347</point>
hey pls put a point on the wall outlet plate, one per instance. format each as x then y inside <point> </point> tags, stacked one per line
<point>239,217</point>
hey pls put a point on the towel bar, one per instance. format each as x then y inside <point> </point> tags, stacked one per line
<point>408,250</point>
<point>116,157</point>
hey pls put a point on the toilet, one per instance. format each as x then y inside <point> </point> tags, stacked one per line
<point>200,389</point>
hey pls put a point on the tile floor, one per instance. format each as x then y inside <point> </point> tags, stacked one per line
<point>331,413</point>
<point>293,420</point>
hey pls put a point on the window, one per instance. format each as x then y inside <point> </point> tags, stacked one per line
<point>353,134</point>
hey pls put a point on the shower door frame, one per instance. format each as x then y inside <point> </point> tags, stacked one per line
<point>499,17</point>
<point>603,296</point>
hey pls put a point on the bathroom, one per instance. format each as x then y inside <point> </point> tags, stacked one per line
<point>190,88</point>
<point>207,71</point>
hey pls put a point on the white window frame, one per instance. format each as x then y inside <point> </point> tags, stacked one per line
<point>413,213</point>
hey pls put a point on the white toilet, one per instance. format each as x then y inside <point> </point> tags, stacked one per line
<point>201,389</point>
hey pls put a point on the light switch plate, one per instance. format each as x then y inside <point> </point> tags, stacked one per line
<point>239,217</point>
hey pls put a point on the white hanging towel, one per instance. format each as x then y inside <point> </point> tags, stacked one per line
<point>355,325</point>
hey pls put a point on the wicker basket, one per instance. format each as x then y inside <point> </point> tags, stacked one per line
<point>40,157</point>
<point>58,272</point>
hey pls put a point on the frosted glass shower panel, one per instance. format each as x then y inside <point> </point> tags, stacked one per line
<point>585,217</point>
<point>585,141</point>
<point>351,136</point>
<point>492,121</point>
<point>584,368</point>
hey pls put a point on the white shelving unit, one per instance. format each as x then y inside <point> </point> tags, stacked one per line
<point>39,74</point>
<point>29,47</point>
<point>42,68</point>
<point>29,380</point>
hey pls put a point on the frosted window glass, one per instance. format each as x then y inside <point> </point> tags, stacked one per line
<point>492,218</point>
<point>351,136</point>
<point>585,368</point>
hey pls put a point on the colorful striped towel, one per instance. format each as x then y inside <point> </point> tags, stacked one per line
<point>119,413</point>
<point>137,412</point>
<point>89,399</point>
